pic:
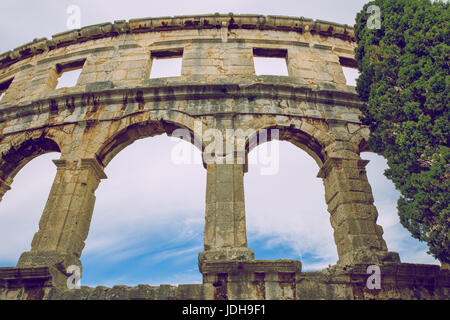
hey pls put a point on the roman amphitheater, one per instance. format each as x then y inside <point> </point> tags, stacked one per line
<point>115,102</point>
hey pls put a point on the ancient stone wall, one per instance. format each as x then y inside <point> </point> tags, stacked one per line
<point>114,103</point>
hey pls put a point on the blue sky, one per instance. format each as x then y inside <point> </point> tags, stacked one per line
<point>148,221</point>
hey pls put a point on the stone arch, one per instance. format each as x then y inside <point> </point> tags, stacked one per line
<point>225,189</point>
<point>79,176</point>
<point>312,137</point>
<point>173,125</point>
<point>347,192</point>
<point>20,150</point>
<point>17,150</point>
<point>308,137</point>
<point>166,179</point>
<point>294,199</point>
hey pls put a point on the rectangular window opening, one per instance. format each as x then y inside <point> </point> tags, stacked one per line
<point>270,61</point>
<point>4,87</point>
<point>166,63</point>
<point>69,73</point>
<point>350,69</point>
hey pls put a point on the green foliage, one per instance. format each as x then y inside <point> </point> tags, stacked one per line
<point>404,84</point>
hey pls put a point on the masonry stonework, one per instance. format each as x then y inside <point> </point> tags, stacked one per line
<point>115,103</point>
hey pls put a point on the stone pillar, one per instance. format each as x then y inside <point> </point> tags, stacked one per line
<point>225,235</point>
<point>65,222</point>
<point>353,215</point>
<point>3,188</point>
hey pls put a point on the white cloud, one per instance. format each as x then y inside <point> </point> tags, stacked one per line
<point>180,254</point>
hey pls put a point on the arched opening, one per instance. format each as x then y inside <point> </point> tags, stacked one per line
<point>22,206</point>
<point>141,130</point>
<point>16,157</point>
<point>148,220</point>
<point>398,238</point>
<point>287,216</point>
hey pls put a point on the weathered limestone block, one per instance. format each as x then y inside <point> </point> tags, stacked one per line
<point>315,65</point>
<point>65,222</point>
<point>45,79</point>
<point>217,58</point>
<point>130,66</point>
<point>18,81</point>
<point>89,72</point>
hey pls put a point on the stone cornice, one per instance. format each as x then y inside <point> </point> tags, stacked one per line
<point>211,21</point>
<point>93,164</point>
<point>177,91</point>
<point>266,266</point>
<point>31,277</point>
<point>331,163</point>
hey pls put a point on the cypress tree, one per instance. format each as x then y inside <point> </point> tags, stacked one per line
<point>404,85</point>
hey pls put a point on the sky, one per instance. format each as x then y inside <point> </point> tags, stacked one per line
<point>147,225</point>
